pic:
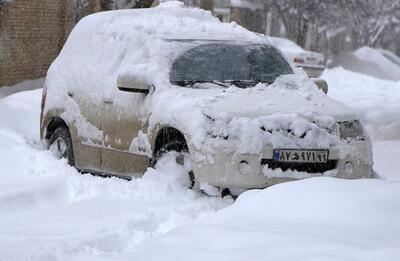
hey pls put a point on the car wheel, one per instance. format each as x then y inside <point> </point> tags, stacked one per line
<point>182,157</point>
<point>60,145</point>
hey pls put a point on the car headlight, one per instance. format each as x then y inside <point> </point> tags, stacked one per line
<point>351,130</point>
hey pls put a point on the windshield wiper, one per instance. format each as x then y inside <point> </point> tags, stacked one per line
<point>192,82</point>
<point>225,83</point>
<point>242,83</point>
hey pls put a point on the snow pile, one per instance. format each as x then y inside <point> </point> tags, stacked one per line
<point>375,100</point>
<point>51,212</point>
<point>379,63</point>
<point>313,219</point>
<point>386,61</point>
<point>20,112</point>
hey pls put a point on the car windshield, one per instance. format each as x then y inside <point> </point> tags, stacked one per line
<point>225,64</point>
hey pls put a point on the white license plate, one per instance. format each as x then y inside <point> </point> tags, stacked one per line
<point>311,59</point>
<point>305,156</point>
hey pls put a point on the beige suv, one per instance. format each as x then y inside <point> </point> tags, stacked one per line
<point>120,95</point>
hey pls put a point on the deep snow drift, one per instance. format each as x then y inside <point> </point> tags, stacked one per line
<point>386,62</point>
<point>50,212</point>
<point>378,63</point>
<point>312,219</point>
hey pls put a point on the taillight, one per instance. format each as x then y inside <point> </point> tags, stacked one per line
<point>298,60</point>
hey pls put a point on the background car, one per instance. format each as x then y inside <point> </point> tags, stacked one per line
<point>313,63</point>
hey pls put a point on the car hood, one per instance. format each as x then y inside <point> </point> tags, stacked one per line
<point>244,114</point>
<point>268,102</point>
<point>259,102</point>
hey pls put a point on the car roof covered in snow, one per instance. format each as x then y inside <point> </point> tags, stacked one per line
<point>170,20</point>
<point>286,45</point>
<point>106,44</point>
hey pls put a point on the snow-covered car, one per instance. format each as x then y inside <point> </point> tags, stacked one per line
<point>131,85</point>
<point>313,63</point>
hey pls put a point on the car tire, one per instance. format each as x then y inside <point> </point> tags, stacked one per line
<point>181,148</point>
<point>60,144</point>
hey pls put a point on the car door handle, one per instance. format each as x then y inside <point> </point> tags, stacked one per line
<point>107,101</point>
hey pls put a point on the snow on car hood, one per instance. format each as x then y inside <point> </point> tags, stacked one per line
<point>267,100</point>
<point>290,113</point>
<point>289,94</point>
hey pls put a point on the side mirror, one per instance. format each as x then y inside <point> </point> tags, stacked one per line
<point>321,84</point>
<point>130,83</point>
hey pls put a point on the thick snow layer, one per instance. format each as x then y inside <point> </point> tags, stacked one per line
<point>286,45</point>
<point>292,216</point>
<point>385,60</point>
<point>51,212</point>
<point>379,63</point>
<point>263,118</point>
<point>20,112</point>
<point>100,47</point>
<point>376,101</point>
<point>312,219</point>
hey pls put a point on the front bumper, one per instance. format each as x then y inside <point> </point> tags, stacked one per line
<point>222,167</point>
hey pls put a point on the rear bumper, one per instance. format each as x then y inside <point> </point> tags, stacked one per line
<point>223,168</point>
<point>312,71</point>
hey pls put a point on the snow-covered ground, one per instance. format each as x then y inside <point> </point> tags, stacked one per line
<point>48,211</point>
<point>51,212</point>
<point>312,219</point>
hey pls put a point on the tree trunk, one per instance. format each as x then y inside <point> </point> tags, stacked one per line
<point>207,5</point>
<point>143,3</point>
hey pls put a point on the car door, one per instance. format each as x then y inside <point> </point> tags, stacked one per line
<point>86,129</point>
<point>125,152</point>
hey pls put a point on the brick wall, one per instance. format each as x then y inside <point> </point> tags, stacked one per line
<point>32,32</point>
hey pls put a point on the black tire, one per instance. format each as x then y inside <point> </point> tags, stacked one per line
<point>59,138</point>
<point>178,146</point>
